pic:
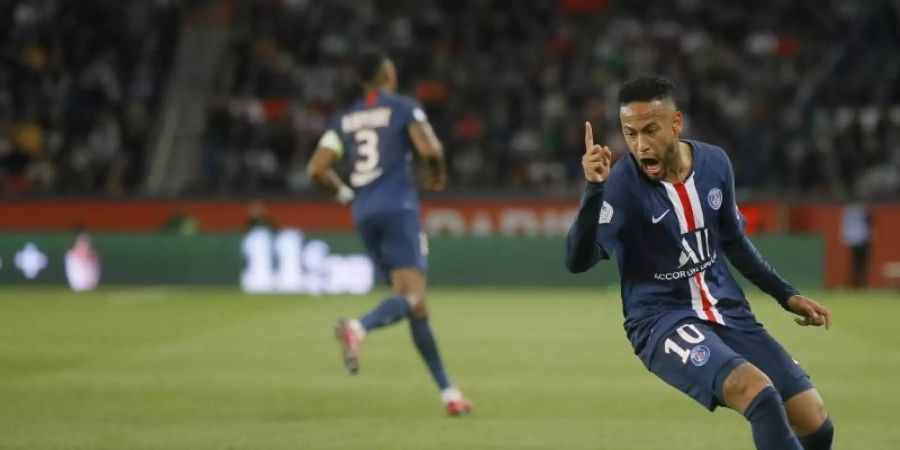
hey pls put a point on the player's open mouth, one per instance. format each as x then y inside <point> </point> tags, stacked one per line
<point>651,165</point>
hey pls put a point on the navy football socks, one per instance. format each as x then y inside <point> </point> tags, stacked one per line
<point>387,312</point>
<point>425,343</point>
<point>769,422</point>
<point>821,439</point>
<point>392,310</point>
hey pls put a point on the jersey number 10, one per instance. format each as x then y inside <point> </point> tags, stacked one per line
<point>691,335</point>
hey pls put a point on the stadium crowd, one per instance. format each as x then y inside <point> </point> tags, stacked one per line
<point>79,86</point>
<point>805,96</point>
<point>508,85</point>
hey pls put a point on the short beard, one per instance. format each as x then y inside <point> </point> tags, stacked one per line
<point>669,161</point>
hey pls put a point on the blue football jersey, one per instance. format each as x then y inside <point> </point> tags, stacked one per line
<point>670,242</point>
<point>373,135</point>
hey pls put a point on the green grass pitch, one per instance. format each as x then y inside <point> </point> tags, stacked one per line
<point>174,368</point>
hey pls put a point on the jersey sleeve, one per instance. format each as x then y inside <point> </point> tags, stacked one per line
<point>412,112</point>
<point>745,257</point>
<point>595,231</point>
<point>331,139</point>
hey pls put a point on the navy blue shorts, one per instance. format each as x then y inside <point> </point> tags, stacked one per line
<point>696,356</point>
<point>394,241</point>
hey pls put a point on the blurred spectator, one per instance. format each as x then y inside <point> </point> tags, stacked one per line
<point>856,228</point>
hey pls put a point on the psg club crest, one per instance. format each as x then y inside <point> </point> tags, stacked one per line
<point>699,355</point>
<point>714,198</point>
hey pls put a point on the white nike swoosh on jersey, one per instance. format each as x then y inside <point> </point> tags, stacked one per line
<point>657,219</point>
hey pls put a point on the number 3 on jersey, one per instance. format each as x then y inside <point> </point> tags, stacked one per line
<point>366,169</point>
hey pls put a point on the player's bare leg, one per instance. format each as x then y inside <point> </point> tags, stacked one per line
<point>750,392</point>
<point>809,419</point>
<point>411,283</point>
<point>806,412</point>
<point>742,385</point>
<point>350,332</point>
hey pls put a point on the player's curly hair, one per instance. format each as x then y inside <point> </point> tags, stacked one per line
<point>647,88</point>
<point>368,63</point>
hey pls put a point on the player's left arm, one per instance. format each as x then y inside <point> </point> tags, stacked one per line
<point>748,260</point>
<point>429,147</point>
<point>319,168</point>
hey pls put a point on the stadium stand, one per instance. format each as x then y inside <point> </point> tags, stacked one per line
<point>508,83</point>
<point>795,91</point>
<point>79,87</point>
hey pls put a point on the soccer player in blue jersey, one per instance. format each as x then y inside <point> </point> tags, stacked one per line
<point>667,210</point>
<point>378,134</point>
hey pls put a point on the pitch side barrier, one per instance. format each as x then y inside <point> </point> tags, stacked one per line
<point>473,217</point>
<point>291,261</point>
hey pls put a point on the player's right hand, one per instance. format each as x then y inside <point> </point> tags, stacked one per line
<point>597,159</point>
<point>810,312</point>
<point>344,194</point>
<point>436,182</point>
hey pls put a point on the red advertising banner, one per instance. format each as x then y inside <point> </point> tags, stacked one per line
<point>884,259</point>
<point>151,215</point>
<point>465,217</point>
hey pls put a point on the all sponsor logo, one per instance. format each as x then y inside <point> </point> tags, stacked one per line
<point>696,256</point>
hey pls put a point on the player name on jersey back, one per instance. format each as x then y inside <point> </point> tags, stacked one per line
<point>371,118</point>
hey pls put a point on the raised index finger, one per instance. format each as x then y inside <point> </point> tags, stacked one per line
<point>588,137</point>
